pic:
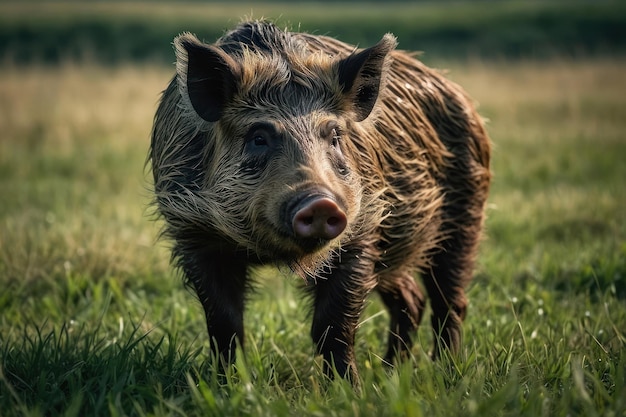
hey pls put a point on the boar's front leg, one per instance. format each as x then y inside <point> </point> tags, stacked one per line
<point>339,300</point>
<point>220,283</point>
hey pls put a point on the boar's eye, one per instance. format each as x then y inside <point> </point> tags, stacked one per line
<point>334,141</point>
<point>335,138</point>
<point>259,139</point>
<point>330,132</point>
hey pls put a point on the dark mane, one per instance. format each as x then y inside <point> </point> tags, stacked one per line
<point>260,36</point>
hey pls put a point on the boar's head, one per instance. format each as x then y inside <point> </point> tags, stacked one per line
<point>282,178</point>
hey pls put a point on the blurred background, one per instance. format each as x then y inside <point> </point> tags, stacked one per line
<point>110,32</point>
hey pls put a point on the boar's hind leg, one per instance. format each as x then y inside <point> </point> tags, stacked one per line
<point>339,300</point>
<point>220,283</point>
<point>405,303</point>
<point>445,283</point>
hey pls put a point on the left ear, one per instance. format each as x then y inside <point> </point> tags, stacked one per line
<point>207,76</point>
<point>361,75</point>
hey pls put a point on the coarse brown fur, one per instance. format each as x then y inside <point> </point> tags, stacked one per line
<point>411,174</point>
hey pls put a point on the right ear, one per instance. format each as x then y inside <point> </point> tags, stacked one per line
<point>207,76</point>
<point>361,75</point>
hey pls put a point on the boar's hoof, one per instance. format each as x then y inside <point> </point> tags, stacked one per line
<point>319,218</point>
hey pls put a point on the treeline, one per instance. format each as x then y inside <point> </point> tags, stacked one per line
<point>48,32</point>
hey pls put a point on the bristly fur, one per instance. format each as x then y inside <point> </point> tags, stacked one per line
<point>414,193</point>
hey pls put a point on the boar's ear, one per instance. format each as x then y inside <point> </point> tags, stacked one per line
<point>207,76</point>
<point>361,75</point>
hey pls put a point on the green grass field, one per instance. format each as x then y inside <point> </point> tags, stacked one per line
<point>93,320</point>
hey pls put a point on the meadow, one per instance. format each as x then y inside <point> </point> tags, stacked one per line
<point>94,321</point>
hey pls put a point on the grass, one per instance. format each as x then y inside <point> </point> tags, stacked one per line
<point>94,321</point>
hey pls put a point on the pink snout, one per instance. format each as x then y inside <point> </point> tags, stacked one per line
<point>320,218</point>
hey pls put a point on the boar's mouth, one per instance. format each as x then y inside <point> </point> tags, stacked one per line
<point>311,245</point>
<point>313,219</point>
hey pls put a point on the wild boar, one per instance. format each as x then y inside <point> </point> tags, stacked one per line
<point>360,169</point>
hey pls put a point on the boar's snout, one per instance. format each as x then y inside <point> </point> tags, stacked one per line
<point>318,217</point>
